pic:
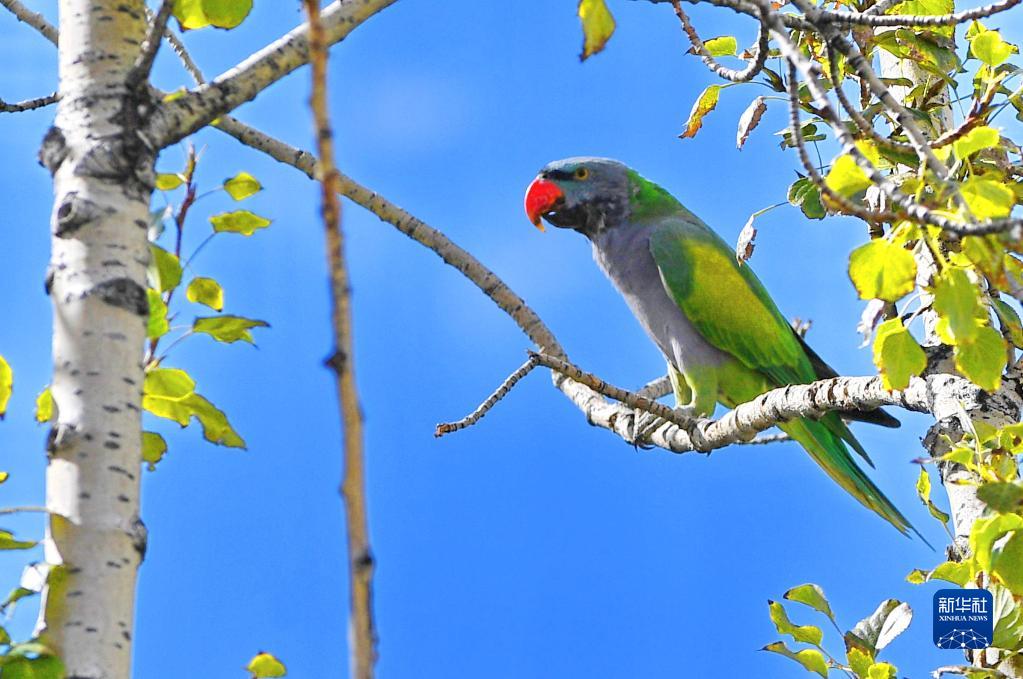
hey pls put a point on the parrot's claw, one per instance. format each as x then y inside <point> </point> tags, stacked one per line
<point>644,425</point>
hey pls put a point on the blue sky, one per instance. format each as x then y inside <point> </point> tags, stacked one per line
<point>531,545</point>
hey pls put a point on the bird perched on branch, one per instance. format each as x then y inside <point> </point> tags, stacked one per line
<point>722,335</point>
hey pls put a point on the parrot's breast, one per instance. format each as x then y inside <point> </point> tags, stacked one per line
<point>623,254</point>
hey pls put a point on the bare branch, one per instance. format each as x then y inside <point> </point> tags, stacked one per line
<point>485,407</point>
<point>33,19</point>
<point>147,55</point>
<point>28,104</point>
<point>736,76</point>
<point>177,119</point>
<point>353,486</point>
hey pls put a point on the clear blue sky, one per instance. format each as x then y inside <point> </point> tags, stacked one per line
<point>531,545</point>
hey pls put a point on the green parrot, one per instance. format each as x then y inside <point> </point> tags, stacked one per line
<point>722,335</point>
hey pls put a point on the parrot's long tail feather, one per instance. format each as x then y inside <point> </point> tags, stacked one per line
<point>830,452</point>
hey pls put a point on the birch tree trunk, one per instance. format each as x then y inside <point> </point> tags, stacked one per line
<point>102,179</point>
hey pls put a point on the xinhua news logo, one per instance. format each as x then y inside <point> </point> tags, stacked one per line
<point>963,618</point>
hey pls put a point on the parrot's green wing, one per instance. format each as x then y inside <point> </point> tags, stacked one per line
<point>730,308</point>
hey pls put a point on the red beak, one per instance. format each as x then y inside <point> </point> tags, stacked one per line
<point>541,196</point>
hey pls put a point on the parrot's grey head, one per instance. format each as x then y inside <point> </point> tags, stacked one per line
<point>585,194</point>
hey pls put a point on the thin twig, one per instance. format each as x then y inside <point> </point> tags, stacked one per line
<point>499,393</point>
<point>33,19</point>
<point>28,104</point>
<point>147,55</point>
<point>734,75</point>
<point>353,486</point>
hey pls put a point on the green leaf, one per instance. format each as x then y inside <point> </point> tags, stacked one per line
<point>168,182</point>
<point>239,221</point>
<point>897,355</point>
<point>7,541</point>
<point>881,269</point>
<point>706,102</point>
<point>724,46</point>
<point>170,393</point>
<point>807,634</point>
<point>1009,321</point>
<point>986,198</point>
<point>881,670</point>
<point>42,666</point>
<point>168,383</point>
<point>1001,496</point>
<point>810,595</point>
<point>811,659</point>
<point>917,576</point>
<point>1008,564</point>
<point>154,447</point>
<point>873,633</point>
<point>44,406</point>
<point>977,139</point>
<point>157,325</point>
<point>164,269</point>
<point>6,385</point>
<point>985,532</point>
<point>957,303</point>
<point>598,26</point>
<point>989,47</point>
<point>805,195</point>
<point>846,178</point>
<point>860,662</point>
<point>206,291</point>
<point>923,490</point>
<point>242,185</point>
<point>228,328</point>
<point>1008,618</point>
<point>982,359</point>
<point>265,665</point>
<point>956,572</point>
<point>192,14</point>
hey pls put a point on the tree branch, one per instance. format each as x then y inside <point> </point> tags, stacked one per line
<point>33,19</point>
<point>147,55</point>
<point>174,120</point>
<point>28,104</point>
<point>353,485</point>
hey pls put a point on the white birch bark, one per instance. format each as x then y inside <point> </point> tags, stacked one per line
<point>102,179</point>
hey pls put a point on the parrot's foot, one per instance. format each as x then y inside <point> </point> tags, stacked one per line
<point>645,424</point>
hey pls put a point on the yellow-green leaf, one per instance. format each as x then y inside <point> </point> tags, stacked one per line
<point>1009,320</point>
<point>989,47</point>
<point>239,221</point>
<point>164,269</point>
<point>977,139</point>
<point>985,532</point>
<point>956,572</point>
<point>168,182</point>
<point>724,46</point>
<point>228,328</point>
<point>242,185</point>
<point>859,662</point>
<point>811,659</point>
<point>957,303</point>
<point>982,359</point>
<point>6,385</point>
<point>266,666</point>
<point>846,178</point>
<point>881,670</point>
<point>170,393</point>
<point>807,634</point>
<point>154,447</point>
<point>706,102</point>
<point>157,326</point>
<point>206,291</point>
<point>1008,564</point>
<point>882,270</point>
<point>598,26</point>
<point>192,14</point>
<point>923,490</point>
<point>44,406</point>
<point>7,541</point>
<point>897,354</point>
<point>986,198</point>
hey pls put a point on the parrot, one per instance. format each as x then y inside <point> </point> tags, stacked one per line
<point>723,337</point>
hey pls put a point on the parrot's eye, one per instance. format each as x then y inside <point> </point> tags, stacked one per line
<point>582,173</point>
